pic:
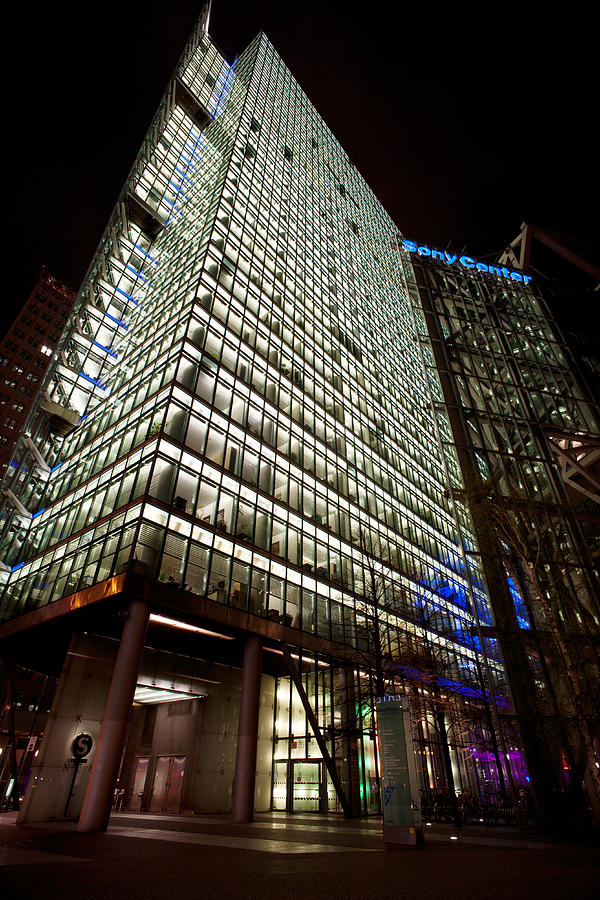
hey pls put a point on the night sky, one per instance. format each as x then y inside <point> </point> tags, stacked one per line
<point>463,123</point>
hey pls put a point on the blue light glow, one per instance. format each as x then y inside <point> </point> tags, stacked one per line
<point>184,176</point>
<point>189,162</point>
<point>225,87</point>
<point>93,381</point>
<point>136,272</point>
<point>522,617</point>
<point>177,191</point>
<point>465,261</point>
<point>117,321</point>
<point>171,203</point>
<point>106,349</point>
<point>143,252</point>
<point>125,294</point>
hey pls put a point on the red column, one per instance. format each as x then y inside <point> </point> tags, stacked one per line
<point>242,809</point>
<point>99,794</point>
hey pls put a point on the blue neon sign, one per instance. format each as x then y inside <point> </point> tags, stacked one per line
<point>452,259</point>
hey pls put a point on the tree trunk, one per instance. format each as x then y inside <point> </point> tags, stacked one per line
<point>443,734</point>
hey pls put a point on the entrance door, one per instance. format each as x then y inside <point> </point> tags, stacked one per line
<point>173,798</point>
<point>136,802</point>
<point>168,782</point>
<point>306,786</point>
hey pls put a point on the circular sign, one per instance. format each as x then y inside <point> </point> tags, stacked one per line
<point>82,745</point>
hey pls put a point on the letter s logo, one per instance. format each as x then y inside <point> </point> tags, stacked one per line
<point>82,745</point>
<point>409,245</point>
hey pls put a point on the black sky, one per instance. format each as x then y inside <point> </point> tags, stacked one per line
<point>465,123</point>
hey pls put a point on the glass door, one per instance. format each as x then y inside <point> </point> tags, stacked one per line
<point>306,786</point>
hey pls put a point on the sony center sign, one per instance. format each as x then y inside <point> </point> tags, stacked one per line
<point>466,262</point>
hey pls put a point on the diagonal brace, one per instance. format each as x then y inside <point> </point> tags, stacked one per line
<point>329,763</point>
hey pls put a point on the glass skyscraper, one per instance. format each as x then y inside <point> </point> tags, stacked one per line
<point>245,432</point>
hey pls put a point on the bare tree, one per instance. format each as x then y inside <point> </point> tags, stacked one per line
<point>529,549</point>
<point>395,646</point>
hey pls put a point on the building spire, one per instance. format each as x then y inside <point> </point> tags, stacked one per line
<point>205,16</point>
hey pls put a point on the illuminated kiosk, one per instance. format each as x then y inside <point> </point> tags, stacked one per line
<point>401,807</point>
<point>237,505</point>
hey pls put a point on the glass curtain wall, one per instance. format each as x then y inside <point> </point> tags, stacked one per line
<point>240,406</point>
<point>518,392</point>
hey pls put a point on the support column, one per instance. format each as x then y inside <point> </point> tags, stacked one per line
<point>99,794</point>
<point>78,708</point>
<point>242,809</point>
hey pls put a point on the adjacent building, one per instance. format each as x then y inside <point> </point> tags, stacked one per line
<point>246,503</point>
<point>25,353</point>
<point>526,433</point>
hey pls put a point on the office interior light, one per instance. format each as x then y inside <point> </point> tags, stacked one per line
<point>306,659</point>
<point>185,626</point>
<point>146,694</point>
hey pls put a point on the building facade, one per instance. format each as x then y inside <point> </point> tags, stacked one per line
<point>527,438</point>
<point>25,354</point>
<point>252,519</point>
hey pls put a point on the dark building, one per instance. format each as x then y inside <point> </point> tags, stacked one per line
<point>28,697</point>
<point>25,354</point>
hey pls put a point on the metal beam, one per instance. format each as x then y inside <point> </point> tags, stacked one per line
<point>544,237</point>
<point>555,241</point>
<point>335,778</point>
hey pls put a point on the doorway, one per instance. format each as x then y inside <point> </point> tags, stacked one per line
<point>137,801</point>
<point>168,784</point>
<point>306,786</point>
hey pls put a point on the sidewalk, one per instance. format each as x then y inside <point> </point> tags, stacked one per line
<point>281,856</point>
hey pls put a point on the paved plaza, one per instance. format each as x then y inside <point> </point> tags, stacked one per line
<point>279,856</point>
